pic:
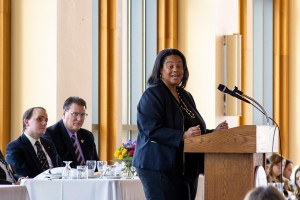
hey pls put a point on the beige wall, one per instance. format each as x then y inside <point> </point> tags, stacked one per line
<point>201,27</point>
<point>51,56</point>
<point>34,59</point>
<point>294,82</point>
<point>74,54</point>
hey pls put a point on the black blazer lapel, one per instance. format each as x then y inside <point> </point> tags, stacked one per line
<point>67,140</point>
<point>49,151</point>
<point>2,171</point>
<point>2,157</point>
<point>29,148</point>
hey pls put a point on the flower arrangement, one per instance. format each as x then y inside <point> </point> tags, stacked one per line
<point>125,152</point>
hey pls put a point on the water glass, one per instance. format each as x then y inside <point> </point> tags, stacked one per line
<point>279,186</point>
<point>110,170</point>
<point>66,173</point>
<point>91,165</point>
<point>101,167</point>
<point>82,172</point>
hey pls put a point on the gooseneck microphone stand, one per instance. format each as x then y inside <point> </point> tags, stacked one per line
<point>236,90</point>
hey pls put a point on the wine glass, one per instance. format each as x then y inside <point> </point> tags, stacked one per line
<point>66,173</point>
<point>101,166</point>
<point>91,165</point>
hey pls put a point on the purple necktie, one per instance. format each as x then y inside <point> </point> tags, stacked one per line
<point>77,152</point>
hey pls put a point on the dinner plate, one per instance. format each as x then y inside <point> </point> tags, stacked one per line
<point>94,176</point>
<point>112,177</point>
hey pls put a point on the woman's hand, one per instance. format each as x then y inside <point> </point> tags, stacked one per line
<point>221,126</point>
<point>192,132</point>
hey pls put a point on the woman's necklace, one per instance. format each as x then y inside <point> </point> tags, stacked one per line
<point>184,107</point>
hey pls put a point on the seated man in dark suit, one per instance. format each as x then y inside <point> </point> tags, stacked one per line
<point>6,176</point>
<point>72,142</point>
<point>30,154</point>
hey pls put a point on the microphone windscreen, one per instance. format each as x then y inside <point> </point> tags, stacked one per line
<point>221,87</point>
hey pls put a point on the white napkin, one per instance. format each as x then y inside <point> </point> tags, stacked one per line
<point>50,173</point>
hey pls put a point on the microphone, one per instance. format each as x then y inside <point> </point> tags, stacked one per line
<point>236,90</point>
<point>264,112</point>
<point>224,89</point>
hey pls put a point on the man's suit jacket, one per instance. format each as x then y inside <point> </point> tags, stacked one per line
<point>22,157</point>
<point>3,171</point>
<point>4,182</point>
<point>58,134</point>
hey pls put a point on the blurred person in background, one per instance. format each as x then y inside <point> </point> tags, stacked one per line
<point>264,193</point>
<point>297,183</point>
<point>288,169</point>
<point>6,177</point>
<point>276,172</point>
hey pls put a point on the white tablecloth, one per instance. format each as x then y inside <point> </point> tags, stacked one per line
<point>13,192</point>
<point>90,189</point>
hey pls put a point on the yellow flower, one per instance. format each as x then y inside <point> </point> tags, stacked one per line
<point>120,157</point>
<point>124,151</point>
<point>117,153</point>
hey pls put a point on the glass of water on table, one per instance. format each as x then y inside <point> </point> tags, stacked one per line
<point>91,165</point>
<point>101,166</point>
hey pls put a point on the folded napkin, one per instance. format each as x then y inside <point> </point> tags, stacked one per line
<point>50,173</point>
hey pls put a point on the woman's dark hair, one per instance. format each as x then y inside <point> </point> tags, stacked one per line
<point>74,99</point>
<point>159,63</point>
<point>297,186</point>
<point>287,162</point>
<point>264,193</point>
<point>28,114</point>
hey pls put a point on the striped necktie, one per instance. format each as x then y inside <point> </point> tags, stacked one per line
<point>79,159</point>
<point>41,156</point>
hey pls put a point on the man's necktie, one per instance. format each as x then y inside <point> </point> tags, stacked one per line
<point>79,159</point>
<point>41,156</point>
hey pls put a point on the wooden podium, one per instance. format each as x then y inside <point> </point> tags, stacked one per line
<point>231,157</point>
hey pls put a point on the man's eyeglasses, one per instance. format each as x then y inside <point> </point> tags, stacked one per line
<point>76,114</point>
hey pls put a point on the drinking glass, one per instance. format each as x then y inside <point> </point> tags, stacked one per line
<point>91,165</point>
<point>101,166</point>
<point>110,170</point>
<point>279,186</point>
<point>66,173</point>
<point>82,172</point>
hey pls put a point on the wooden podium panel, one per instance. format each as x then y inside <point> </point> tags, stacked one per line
<point>230,176</point>
<point>231,157</point>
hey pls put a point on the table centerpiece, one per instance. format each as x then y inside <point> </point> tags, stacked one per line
<point>124,154</point>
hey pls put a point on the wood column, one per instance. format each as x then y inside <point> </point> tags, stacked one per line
<point>167,21</point>
<point>281,71</point>
<point>107,79</point>
<point>244,26</point>
<point>5,72</point>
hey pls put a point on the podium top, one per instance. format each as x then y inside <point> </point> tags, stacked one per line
<point>242,139</point>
